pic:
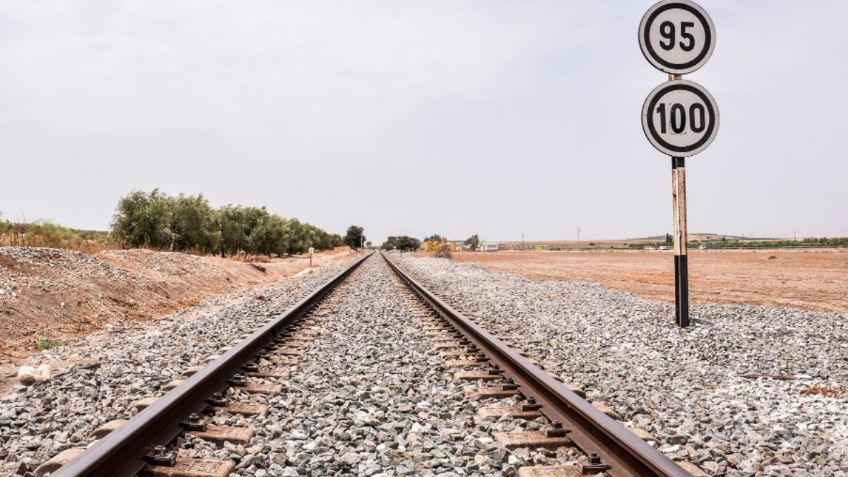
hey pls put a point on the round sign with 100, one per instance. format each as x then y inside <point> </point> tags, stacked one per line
<point>680,118</point>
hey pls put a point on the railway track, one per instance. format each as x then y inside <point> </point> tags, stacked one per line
<point>209,405</point>
<point>608,446</point>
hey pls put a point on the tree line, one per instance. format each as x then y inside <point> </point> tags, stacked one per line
<point>186,222</point>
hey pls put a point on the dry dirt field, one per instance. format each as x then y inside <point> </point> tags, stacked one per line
<point>809,279</point>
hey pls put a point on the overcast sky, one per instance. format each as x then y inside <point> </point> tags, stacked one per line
<point>451,117</point>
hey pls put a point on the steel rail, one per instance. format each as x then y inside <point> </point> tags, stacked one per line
<point>590,429</point>
<point>122,452</point>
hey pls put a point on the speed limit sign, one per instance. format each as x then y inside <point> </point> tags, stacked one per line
<point>677,36</point>
<point>680,118</point>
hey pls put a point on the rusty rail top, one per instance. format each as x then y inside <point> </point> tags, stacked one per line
<point>122,452</point>
<point>590,429</point>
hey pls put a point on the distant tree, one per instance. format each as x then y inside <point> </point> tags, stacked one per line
<point>354,237</point>
<point>193,224</point>
<point>408,244</point>
<point>668,238</point>
<point>322,240</point>
<point>257,240</point>
<point>296,240</point>
<point>231,222</point>
<point>472,243</point>
<point>337,240</point>
<point>390,243</point>
<point>143,219</point>
<point>433,238</point>
<point>402,243</point>
<point>267,236</point>
<point>276,228</point>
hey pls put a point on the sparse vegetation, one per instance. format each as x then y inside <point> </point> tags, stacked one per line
<point>46,343</point>
<point>190,223</point>
<point>718,243</point>
<point>20,233</point>
<point>810,242</point>
<point>442,251</point>
<point>823,391</point>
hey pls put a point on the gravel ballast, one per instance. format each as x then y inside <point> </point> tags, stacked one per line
<point>112,368</point>
<point>740,393</point>
<point>371,396</point>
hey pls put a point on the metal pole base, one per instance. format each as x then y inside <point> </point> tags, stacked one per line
<point>681,290</point>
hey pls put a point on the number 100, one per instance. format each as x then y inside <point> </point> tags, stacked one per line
<point>677,114</point>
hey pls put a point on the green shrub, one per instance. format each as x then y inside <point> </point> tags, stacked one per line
<point>46,343</point>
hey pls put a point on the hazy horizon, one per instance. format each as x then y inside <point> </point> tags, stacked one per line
<point>495,118</point>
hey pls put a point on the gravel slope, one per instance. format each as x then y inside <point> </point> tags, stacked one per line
<point>118,366</point>
<point>687,387</point>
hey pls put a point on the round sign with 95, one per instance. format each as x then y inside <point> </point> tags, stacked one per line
<point>677,36</point>
<point>680,118</point>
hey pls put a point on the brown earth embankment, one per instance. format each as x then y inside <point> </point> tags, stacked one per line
<point>59,294</point>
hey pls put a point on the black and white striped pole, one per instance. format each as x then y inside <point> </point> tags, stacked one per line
<point>681,261</point>
<point>679,117</point>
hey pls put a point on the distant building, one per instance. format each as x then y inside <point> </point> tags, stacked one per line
<point>489,247</point>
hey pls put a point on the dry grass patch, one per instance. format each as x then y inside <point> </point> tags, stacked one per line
<point>825,391</point>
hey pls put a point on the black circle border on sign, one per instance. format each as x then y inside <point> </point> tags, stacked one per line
<point>650,117</point>
<point>708,38</point>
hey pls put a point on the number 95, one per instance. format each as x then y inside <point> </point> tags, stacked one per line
<point>667,31</point>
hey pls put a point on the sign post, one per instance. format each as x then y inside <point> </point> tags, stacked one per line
<point>681,260</point>
<point>311,251</point>
<point>680,118</point>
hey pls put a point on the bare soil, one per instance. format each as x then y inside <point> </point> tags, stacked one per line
<point>807,279</point>
<point>61,295</point>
